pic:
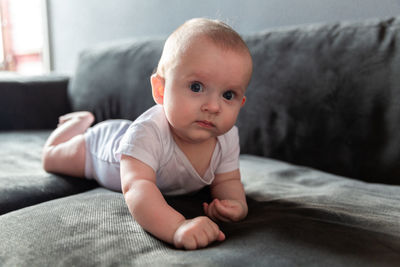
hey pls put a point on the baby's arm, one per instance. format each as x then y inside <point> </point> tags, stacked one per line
<point>151,211</point>
<point>229,202</point>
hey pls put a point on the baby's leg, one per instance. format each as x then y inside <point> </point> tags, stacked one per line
<point>64,150</point>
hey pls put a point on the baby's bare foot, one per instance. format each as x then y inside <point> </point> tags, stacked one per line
<point>86,116</point>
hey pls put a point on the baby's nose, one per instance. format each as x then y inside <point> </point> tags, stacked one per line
<point>212,105</point>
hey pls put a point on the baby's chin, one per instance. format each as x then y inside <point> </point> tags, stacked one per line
<point>201,139</point>
<point>198,137</point>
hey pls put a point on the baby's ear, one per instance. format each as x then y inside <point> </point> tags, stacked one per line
<point>157,87</point>
<point>243,101</point>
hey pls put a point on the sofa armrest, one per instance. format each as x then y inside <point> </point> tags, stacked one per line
<point>32,102</point>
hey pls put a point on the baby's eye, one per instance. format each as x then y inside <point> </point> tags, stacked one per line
<point>196,87</point>
<point>229,95</point>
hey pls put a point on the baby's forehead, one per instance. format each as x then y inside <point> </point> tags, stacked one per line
<point>225,42</point>
<point>182,43</point>
<point>197,63</point>
<point>192,42</point>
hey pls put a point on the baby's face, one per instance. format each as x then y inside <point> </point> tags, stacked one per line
<point>204,91</point>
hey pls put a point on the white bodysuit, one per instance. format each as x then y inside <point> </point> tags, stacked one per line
<point>149,140</point>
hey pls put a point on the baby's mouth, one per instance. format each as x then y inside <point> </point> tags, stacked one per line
<point>206,124</point>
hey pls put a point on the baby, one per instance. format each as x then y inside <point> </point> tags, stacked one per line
<point>185,142</point>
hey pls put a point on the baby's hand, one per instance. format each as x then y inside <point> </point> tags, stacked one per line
<point>225,210</point>
<point>197,233</point>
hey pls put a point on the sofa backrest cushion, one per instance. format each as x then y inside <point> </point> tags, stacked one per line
<point>113,80</point>
<point>325,96</point>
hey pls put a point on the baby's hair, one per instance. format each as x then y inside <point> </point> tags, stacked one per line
<point>216,31</point>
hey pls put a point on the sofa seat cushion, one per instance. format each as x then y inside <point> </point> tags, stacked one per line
<point>297,217</point>
<point>23,182</point>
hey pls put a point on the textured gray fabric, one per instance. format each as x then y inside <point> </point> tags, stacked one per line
<point>298,217</point>
<point>325,96</point>
<point>22,179</point>
<point>113,81</point>
<point>32,102</point>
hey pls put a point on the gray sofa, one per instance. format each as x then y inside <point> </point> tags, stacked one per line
<point>320,144</point>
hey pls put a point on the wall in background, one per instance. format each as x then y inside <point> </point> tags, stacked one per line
<point>77,24</point>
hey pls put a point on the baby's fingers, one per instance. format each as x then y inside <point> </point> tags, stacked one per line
<point>221,236</point>
<point>228,211</point>
<point>214,233</point>
<point>212,212</point>
<point>197,233</point>
<point>205,208</point>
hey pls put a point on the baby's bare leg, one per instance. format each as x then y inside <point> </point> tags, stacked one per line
<point>64,150</point>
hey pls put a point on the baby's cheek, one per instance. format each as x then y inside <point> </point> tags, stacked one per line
<point>228,122</point>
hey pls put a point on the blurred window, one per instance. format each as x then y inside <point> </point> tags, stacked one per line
<point>23,43</point>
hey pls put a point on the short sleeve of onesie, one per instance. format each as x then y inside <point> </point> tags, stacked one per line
<point>143,141</point>
<point>230,150</point>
